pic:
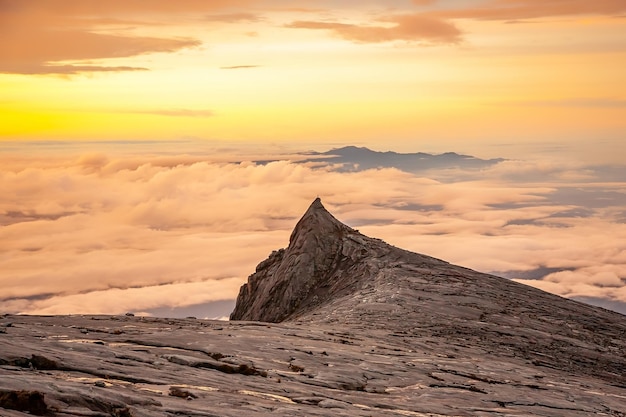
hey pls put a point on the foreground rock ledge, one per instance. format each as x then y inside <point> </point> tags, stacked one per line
<point>366,329</point>
<point>131,366</point>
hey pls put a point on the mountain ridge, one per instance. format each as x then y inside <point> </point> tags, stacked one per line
<point>354,158</point>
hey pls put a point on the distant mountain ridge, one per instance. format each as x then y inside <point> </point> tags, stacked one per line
<point>356,158</point>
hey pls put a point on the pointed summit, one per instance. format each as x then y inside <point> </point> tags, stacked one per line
<point>317,204</point>
<point>319,222</point>
<point>293,280</point>
<point>317,211</point>
<point>325,260</point>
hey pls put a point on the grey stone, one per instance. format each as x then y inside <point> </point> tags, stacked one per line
<point>332,404</point>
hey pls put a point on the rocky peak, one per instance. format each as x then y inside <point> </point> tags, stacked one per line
<point>317,223</point>
<point>300,277</point>
<point>326,260</point>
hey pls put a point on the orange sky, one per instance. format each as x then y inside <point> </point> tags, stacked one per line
<point>464,75</point>
<point>128,131</point>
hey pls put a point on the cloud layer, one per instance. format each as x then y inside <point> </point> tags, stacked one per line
<point>409,27</point>
<point>533,9</point>
<point>109,233</point>
<point>62,37</point>
<point>69,37</point>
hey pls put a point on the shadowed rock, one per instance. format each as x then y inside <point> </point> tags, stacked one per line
<point>29,401</point>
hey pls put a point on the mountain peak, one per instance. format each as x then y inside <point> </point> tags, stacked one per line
<point>317,209</point>
<point>325,261</point>
<point>292,280</point>
<point>317,221</point>
<point>317,203</point>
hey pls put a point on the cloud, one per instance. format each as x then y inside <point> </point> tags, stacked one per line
<point>43,50</point>
<point>533,9</point>
<point>233,17</point>
<point>60,37</point>
<point>234,67</point>
<point>65,36</point>
<point>436,25</point>
<point>148,226</point>
<point>117,7</point>
<point>34,69</point>
<point>407,27</point>
<point>118,301</point>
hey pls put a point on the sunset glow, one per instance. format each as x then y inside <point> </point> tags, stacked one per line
<point>136,125</point>
<point>330,70</point>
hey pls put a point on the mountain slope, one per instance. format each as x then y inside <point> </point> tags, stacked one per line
<point>331,273</point>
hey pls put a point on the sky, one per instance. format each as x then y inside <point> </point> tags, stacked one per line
<point>129,132</point>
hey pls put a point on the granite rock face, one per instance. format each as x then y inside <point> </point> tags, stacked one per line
<point>365,329</point>
<point>324,262</point>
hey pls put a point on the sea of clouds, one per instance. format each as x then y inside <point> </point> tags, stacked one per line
<point>106,228</point>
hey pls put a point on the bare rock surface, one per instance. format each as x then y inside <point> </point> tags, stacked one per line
<point>133,366</point>
<point>337,324</point>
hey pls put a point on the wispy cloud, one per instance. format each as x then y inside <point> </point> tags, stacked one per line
<point>49,68</point>
<point>116,7</point>
<point>233,17</point>
<point>57,37</point>
<point>235,67</point>
<point>436,24</point>
<point>43,50</point>
<point>407,27</point>
<point>532,9</point>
